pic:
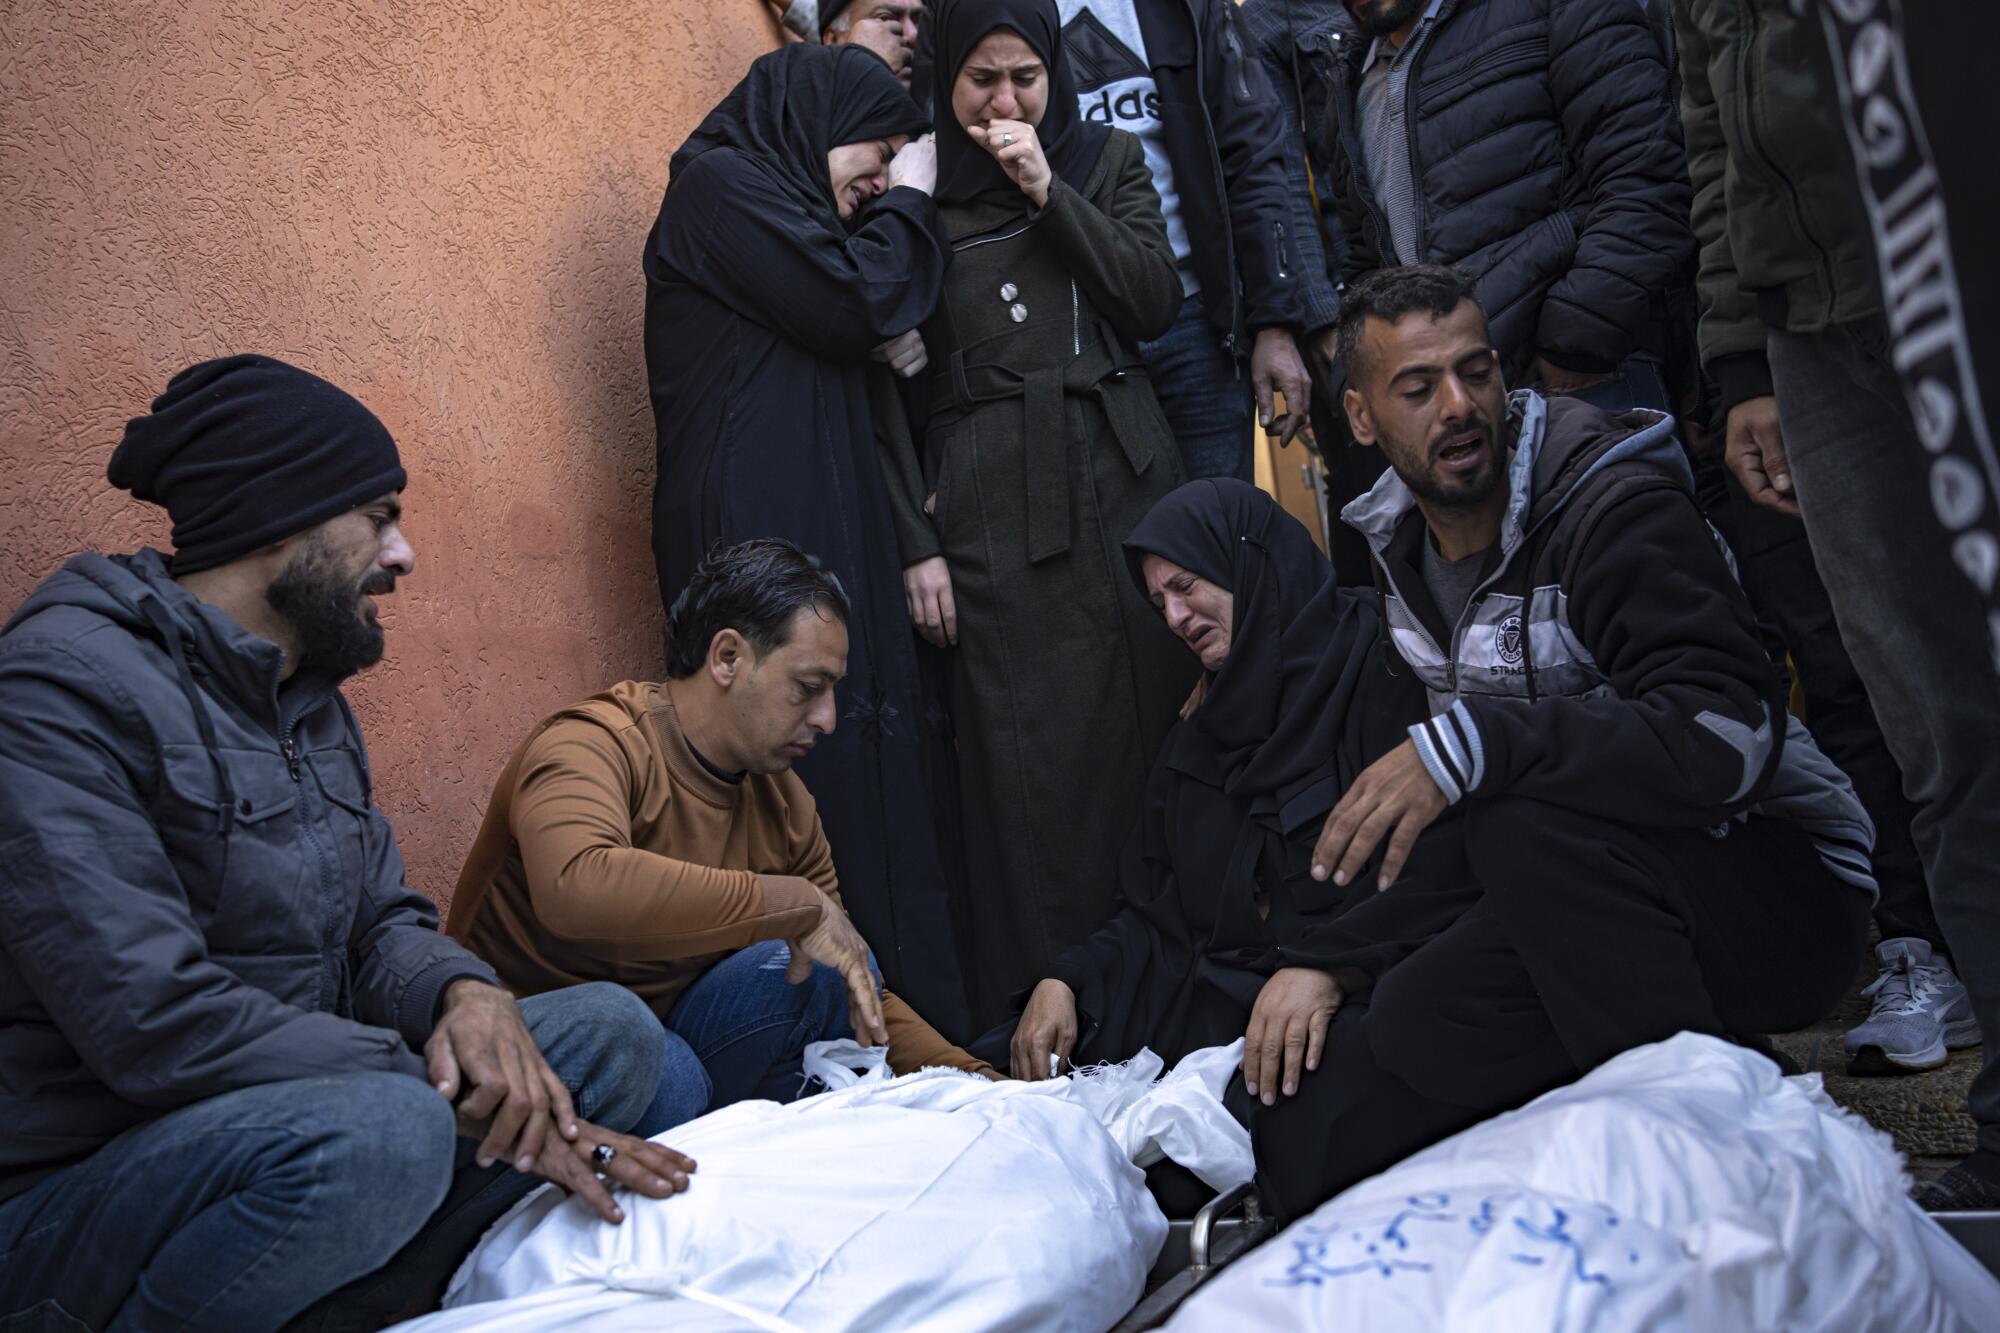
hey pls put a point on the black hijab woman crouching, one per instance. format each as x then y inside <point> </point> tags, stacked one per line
<point>1223,932</point>
<point>798,235</point>
<point>1039,448</point>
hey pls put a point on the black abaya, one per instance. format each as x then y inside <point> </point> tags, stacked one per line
<point>761,311</point>
<point>1215,881</point>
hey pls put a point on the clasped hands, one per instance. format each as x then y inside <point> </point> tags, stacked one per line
<point>482,1058</point>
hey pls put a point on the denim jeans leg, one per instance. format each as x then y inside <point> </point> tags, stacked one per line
<point>1206,395</point>
<point>604,1044</point>
<point>751,1027</point>
<point>1917,633</point>
<point>1638,383</point>
<point>234,1212</point>
<point>684,1090</point>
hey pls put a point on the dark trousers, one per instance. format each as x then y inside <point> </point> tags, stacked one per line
<point>1588,938</point>
<point>1775,562</point>
<point>1917,631</point>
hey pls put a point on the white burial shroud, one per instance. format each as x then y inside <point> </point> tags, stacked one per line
<point>934,1201</point>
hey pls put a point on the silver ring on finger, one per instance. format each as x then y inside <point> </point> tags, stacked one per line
<point>1007,139</point>
<point>600,1159</point>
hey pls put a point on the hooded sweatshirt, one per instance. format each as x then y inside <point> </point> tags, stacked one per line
<point>199,894</point>
<point>1606,660</point>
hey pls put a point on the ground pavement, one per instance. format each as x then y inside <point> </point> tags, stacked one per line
<point>1926,1113</point>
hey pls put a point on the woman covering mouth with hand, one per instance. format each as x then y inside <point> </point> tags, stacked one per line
<point>797,243</point>
<point>1035,447</point>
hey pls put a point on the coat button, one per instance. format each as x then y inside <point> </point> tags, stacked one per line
<point>1017,312</point>
<point>1008,291</point>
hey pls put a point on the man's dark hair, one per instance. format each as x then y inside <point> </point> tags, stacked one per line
<point>755,588</point>
<point>1391,293</point>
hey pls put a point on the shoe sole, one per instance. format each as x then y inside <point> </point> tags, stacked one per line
<point>1873,1060</point>
<point>1876,1060</point>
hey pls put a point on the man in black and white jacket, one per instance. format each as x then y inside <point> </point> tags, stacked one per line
<point>1658,846</point>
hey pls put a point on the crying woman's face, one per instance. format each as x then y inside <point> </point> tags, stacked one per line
<point>859,172</point>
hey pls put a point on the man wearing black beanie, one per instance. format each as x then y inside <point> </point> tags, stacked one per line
<point>242,1075</point>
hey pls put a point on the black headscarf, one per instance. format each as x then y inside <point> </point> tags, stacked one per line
<point>1214,881</point>
<point>1276,725</point>
<point>796,105</point>
<point>1071,144</point>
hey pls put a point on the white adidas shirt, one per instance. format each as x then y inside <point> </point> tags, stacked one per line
<point>1107,54</point>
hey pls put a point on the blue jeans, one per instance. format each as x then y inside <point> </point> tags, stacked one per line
<point>1638,383</point>
<point>740,1032</point>
<point>1206,395</point>
<point>350,1194</point>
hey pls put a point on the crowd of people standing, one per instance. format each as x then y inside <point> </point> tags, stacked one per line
<point>1000,721</point>
<point>1649,220</point>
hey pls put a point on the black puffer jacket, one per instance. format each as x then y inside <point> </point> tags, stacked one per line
<point>197,894</point>
<point>1547,151</point>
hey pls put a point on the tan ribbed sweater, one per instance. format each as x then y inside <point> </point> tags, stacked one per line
<point>611,853</point>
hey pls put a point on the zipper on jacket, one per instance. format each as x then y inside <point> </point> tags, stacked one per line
<point>1232,52</point>
<point>976,242</point>
<point>1344,78</point>
<point>1751,26</point>
<point>1230,340</point>
<point>1410,135</point>
<point>329,983</point>
<point>1075,322</point>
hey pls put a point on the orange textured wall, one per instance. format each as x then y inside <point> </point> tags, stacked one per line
<point>440,207</point>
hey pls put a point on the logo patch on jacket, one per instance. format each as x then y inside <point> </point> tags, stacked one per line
<point>1507,641</point>
<point>1097,56</point>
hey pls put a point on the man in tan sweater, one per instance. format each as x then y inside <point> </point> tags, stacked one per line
<point>655,836</point>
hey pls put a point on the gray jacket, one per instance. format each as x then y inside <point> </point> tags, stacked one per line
<point>197,894</point>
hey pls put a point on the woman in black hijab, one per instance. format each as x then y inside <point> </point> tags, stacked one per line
<point>1036,447</point>
<point>1223,932</point>
<point>797,235</point>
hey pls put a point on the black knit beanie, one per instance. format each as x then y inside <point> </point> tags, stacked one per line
<point>246,451</point>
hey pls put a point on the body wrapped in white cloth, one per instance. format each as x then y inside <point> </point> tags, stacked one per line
<point>1684,1187</point>
<point>934,1201</point>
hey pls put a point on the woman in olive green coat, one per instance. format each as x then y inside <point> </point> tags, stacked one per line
<point>1039,449</point>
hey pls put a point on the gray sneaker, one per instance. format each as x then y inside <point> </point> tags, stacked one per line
<point>1921,1012</point>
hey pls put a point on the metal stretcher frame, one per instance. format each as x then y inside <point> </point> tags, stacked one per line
<point>1228,1226</point>
<point>1979,1233</point>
